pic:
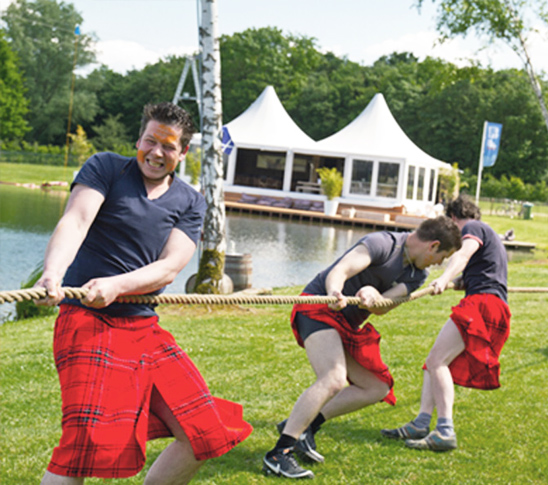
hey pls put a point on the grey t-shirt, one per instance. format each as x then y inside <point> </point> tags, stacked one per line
<point>385,271</point>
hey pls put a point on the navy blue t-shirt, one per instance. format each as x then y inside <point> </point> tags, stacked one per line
<point>385,271</point>
<point>130,230</point>
<point>487,270</point>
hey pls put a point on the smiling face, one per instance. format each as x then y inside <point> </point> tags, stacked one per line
<point>159,151</point>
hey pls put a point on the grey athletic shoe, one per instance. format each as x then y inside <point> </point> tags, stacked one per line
<point>407,432</point>
<point>306,445</point>
<point>283,463</point>
<point>435,441</point>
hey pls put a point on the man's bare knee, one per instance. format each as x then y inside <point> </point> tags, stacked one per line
<point>333,382</point>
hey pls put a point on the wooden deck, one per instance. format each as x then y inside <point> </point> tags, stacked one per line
<point>317,217</point>
<point>519,245</point>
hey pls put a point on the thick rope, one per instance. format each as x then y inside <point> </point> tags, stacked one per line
<point>234,299</point>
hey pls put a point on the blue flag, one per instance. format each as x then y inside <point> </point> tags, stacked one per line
<point>77,30</point>
<point>227,143</point>
<point>491,143</point>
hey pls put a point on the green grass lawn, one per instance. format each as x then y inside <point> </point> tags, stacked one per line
<point>26,173</point>
<point>248,354</point>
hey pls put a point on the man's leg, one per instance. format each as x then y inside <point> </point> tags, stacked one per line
<point>366,389</point>
<point>176,465</point>
<point>326,355</point>
<point>447,347</point>
<point>325,352</point>
<point>427,397</point>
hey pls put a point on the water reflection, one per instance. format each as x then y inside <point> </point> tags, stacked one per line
<point>284,253</point>
<point>28,210</point>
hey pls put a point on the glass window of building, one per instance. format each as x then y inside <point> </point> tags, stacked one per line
<point>410,181</point>
<point>420,184</point>
<point>431,185</point>
<point>362,173</point>
<point>387,182</point>
<point>257,168</point>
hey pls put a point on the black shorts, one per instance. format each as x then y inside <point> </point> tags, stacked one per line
<point>306,326</point>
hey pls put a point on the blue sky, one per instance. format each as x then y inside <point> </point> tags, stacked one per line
<point>133,33</point>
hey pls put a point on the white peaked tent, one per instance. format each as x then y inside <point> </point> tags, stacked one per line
<point>267,125</point>
<point>263,137</point>
<point>375,132</point>
<point>382,165</point>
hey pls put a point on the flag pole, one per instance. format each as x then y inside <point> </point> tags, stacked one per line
<point>480,168</point>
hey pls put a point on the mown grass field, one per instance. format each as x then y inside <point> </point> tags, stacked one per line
<point>26,173</point>
<point>248,354</point>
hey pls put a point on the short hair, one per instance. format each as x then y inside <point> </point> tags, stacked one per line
<point>169,114</point>
<point>440,229</point>
<point>463,208</point>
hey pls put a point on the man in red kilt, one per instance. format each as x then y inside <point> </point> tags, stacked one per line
<point>341,349</point>
<point>467,349</point>
<point>130,226</point>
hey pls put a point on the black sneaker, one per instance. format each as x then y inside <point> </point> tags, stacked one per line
<point>306,445</point>
<point>283,463</point>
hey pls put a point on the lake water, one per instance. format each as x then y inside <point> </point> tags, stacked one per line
<point>283,253</point>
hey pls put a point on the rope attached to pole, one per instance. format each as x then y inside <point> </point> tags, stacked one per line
<point>234,299</point>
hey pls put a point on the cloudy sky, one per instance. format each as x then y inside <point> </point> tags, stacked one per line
<point>133,33</point>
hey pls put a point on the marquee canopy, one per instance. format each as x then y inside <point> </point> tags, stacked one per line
<point>266,125</point>
<point>376,133</point>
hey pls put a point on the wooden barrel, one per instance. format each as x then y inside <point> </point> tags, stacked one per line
<point>239,267</point>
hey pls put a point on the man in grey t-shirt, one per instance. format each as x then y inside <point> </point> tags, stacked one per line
<point>380,265</point>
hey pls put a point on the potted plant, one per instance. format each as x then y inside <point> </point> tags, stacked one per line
<point>332,182</point>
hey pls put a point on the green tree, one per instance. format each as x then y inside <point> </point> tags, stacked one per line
<point>504,20</point>
<point>111,134</point>
<point>256,58</point>
<point>80,146</point>
<point>42,34</point>
<point>13,104</point>
<point>123,96</point>
<point>334,94</point>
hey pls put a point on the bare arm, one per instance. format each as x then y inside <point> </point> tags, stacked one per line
<point>82,208</point>
<point>350,265</point>
<point>456,264</point>
<point>354,262</point>
<point>176,254</point>
<point>395,292</point>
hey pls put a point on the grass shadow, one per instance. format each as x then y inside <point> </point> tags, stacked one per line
<point>543,351</point>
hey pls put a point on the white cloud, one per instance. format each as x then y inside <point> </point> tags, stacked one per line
<point>4,4</point>
<point>461,50</point>
<point>122,56</point>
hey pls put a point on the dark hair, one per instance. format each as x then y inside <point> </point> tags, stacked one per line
<point>463,208</point>
<point>169,114</point>
<point>440,229</point>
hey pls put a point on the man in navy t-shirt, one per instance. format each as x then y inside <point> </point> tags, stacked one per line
<point>468,347</point>
<point>339,348</point>
<point>129,228</point>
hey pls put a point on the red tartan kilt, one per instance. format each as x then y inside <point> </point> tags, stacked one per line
<point>107,369</point>
<point>362,343</point>
<point>484,323</point>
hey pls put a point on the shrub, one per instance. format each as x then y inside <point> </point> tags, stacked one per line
<point>332,182</point>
